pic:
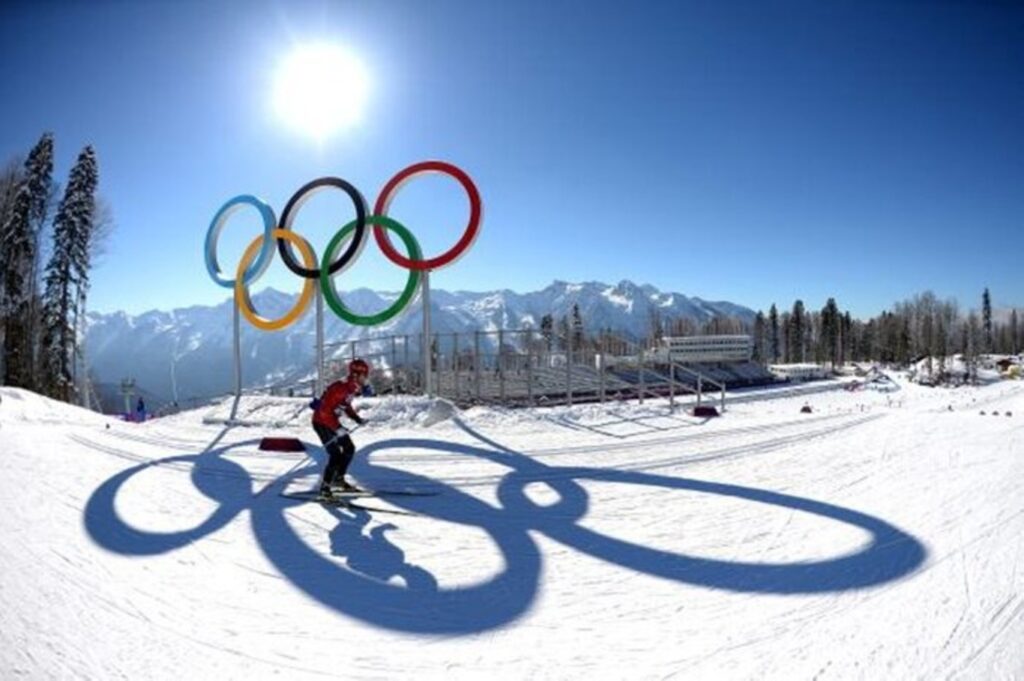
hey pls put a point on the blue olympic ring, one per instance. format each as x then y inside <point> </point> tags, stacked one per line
<point>262,262</point>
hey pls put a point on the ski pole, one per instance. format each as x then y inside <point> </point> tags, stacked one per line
<point>343,431</point>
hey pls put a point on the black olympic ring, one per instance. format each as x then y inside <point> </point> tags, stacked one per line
<point>295,203</point>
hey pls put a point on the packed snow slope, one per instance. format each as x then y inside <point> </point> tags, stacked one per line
<point>879,536</point>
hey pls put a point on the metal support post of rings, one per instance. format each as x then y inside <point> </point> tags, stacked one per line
<point>253,265</point>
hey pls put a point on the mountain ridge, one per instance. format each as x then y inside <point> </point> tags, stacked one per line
<point>187,352</point>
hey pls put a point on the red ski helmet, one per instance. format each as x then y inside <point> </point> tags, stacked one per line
<point>358,366</point>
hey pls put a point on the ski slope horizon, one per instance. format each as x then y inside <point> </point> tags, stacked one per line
<point>878,537</point>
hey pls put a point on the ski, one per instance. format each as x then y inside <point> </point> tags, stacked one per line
<point>344,501</point>
<point>357,493</point>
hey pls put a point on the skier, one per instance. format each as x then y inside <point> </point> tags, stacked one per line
<point>335,437</point>
<point>140,411</point>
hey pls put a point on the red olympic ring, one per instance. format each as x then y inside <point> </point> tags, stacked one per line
<point>392,187</point>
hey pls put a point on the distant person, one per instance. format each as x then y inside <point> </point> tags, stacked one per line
<point>335,437</point>
<point>140,411</point>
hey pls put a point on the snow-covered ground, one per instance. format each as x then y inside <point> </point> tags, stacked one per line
<point>879,536</point>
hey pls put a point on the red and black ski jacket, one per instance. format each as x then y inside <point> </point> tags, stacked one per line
<point>338,396</point>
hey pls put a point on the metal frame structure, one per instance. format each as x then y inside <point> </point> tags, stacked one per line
<point>521,367</point>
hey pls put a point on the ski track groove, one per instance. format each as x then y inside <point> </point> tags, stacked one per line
<point>192,446</point>
<point>177,443</point>
<point>991,638</point>
<point>603,447</point>
<point>172,465</point>
<point>734,451</point>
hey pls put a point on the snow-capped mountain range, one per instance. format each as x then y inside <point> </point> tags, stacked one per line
<point>187,352</point>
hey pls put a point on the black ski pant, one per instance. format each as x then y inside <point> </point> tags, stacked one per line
<point>340,451</point>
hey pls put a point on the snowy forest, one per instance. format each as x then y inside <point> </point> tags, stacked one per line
<point>921,327</point>
<point>47,249</point>
<point>918,328</point>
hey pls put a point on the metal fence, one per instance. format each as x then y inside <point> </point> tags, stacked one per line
<point>522,367</point>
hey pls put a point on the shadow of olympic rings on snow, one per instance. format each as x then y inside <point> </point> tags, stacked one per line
<point>222,480</point>
<point>891,553</point>
<point>365,586</point>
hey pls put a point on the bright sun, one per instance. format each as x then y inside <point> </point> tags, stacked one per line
<point>320,89</point>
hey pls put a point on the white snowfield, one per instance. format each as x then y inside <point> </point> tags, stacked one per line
<point>879,537</point>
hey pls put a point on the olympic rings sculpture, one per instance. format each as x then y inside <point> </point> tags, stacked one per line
<point>258,255</point>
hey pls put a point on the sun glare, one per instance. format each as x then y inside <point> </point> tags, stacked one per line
<point>320,89</point>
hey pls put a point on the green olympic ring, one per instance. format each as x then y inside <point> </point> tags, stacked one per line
<point>411,284</point>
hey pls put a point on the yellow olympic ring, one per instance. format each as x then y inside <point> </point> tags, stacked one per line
<point>242,288</point>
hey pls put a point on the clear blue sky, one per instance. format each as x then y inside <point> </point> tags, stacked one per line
<point>752,152</point>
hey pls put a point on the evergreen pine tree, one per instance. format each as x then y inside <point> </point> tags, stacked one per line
<point>870,349</point>
<point>928,341</point>
<point>986,320</point>
<point>830,330</point>
<point>815,337</point>
<point>787,338</point>
<point>773,322</point>
<point>10,179</point>
<point>547,330</point>
<point>974,340</point>
<point>799,331</point>
<point>939,350</point>
<point>83,249</point>
<point>846,340</point>
<point>786,323</point>
<point>759,338</point>
<point>887,338</point>
<point>67,275</point>
<point>903,341</point>
<point>18,241</point>
<point>1004,339</point>
<point>577,327</point>
<point>1014,332</point>
<point>564,329</point>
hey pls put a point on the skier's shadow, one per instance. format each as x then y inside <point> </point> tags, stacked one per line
<point>371,553</point>
<point>374,582</point>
